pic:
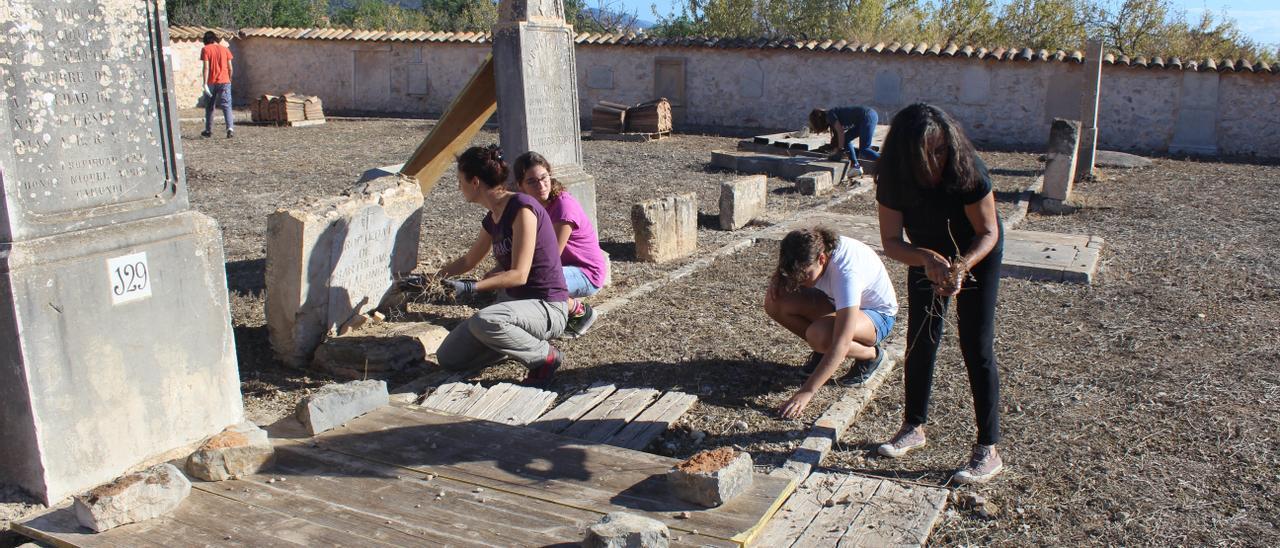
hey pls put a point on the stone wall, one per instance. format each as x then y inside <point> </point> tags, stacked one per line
<point>1003,102</point>
<point>187,70</point>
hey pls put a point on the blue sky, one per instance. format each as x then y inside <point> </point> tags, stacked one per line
<point>1259,19</point>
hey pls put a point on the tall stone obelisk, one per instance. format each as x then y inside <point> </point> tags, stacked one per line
<point>115,336</point>
<point>537,81</point>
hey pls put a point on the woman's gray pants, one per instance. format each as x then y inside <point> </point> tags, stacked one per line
<point>514,329</point>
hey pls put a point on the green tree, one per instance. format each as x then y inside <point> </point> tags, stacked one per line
<point>1042,24</point>
<point>963,21</point>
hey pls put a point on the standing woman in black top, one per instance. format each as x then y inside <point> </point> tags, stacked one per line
<point>932,184</point>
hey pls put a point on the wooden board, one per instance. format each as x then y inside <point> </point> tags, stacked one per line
<point>864,511</point>
<point>547,467</point>
<point>454,397</point>
<point>468,112</point>
<point>573,408</point>
<point>612,414</point>
<point>652,422</point>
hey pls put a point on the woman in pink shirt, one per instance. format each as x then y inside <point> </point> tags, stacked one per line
<point>586,269</point>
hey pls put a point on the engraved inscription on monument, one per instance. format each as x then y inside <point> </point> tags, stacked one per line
<point>552,126</point>
<point>362,265</point>
<point>80,105</point>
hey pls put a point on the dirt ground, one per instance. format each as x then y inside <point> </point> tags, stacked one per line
<point>1140,410</point>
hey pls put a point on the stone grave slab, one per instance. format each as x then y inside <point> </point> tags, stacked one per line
<point>774,165</point>
<point>1048,256</point>
<point>335,259</point>
<point>1120,160</point>
<point>116,345</point>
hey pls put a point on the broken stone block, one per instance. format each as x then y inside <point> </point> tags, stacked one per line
<point>333,405</point>
<point>136,497</point>
<point>666,229</point>
<point>624,530</point>
<point>742,200</point>
<point>794,168</point>
<point>336,259</point>
<point>724,160</point>
<point>713,477</point>
<point>1060,171</point>
<point>238,451</point>
<point>814,183</point>
<point>379,350</point>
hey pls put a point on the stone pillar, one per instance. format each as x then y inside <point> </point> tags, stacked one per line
<point>115,335</point>
<point>1089,108</point>
<point>1060,171</point>
<point>538,91</point>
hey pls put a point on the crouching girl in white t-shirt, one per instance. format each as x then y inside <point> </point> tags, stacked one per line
<point>833,292</point>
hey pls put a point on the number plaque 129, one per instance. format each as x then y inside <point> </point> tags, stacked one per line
<point>130,278</point>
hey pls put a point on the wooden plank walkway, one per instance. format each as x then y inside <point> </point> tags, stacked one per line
<point>628,417</point>
<point>407,476</point>
<point>847,510</point>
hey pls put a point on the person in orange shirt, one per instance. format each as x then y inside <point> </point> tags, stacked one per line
<point>217,82</point>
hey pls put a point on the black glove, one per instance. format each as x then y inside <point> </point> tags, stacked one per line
<point>460,288</point>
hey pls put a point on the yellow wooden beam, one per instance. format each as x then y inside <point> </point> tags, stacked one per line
<point>457,127</point>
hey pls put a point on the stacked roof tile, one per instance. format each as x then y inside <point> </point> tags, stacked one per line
<point>838,46</point>
<point>180,33</point>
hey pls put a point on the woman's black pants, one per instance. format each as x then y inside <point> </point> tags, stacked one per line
<point>976,327</point>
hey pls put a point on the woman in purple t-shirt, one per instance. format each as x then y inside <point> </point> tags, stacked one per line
<point>520,234</point>
<point>586,269</point>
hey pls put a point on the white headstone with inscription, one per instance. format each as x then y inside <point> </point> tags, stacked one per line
<point>115,337</point>
<point>538,91</point>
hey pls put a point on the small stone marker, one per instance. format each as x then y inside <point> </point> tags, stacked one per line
<point>238,451</point>
<point>624,530</point>
<point>742,200</point>
<point>713,477</point>
<point>1120,160</point>
<point>136,497</point>
<point>333,405</point>
<point>666,229</point>
<point>814,183</point>
<point>378,350</point>
<point>1060,171</point>
<point>336,259</point>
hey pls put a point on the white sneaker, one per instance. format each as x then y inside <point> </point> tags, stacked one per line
<point>909,437</point>
<point>984,464</point>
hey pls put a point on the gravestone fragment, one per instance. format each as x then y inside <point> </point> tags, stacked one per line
<point>625,530</point>
<point>238,451</point>
<point>133,498</point>
<point>666,229</point>
<point>712,478</point>
<point>336,259</point>
<point>378,351</point>
<point>742,200</point>
<point>115,335</point>
<point>1060,169</point>
<point>533,50</point>
<point>334,404</point>
<point>814,183</point>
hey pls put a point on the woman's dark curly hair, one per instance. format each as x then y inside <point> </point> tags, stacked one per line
<point>800,249</point>
<point>484,163</point>
<point>904,162</point>
<point>526,162</point>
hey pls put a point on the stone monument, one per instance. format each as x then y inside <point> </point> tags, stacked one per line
<point>538,91</point>
<point>1060,167</point>
<point>1089,108</point>
<point>115,336</point>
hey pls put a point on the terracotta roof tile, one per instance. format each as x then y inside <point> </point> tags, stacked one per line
<point>180,33</point>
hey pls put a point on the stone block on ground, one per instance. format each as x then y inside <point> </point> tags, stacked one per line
<point>136,497</point>
<point>335,259</point>
<point>238,451</point>
<point>666,229</point>
<point>712,477</point>
<point>333,405</point>
<point>1120,160</point>
<point>1060,169</point>
<point>742,200</point>
<point>379,350</point>
<point>814,183</point>
<point>624,530</point>
<point>793,168</point>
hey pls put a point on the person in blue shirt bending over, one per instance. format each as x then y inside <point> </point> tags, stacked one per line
<point>847,124</point>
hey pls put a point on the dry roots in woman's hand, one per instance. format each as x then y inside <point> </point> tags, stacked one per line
<point>427,288</point>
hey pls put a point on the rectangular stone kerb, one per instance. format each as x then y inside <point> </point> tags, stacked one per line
<point>666,229</point>
<point>742,200</point>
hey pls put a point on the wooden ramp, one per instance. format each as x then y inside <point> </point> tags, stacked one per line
<point>846,510</point>
<point>407,476</point>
